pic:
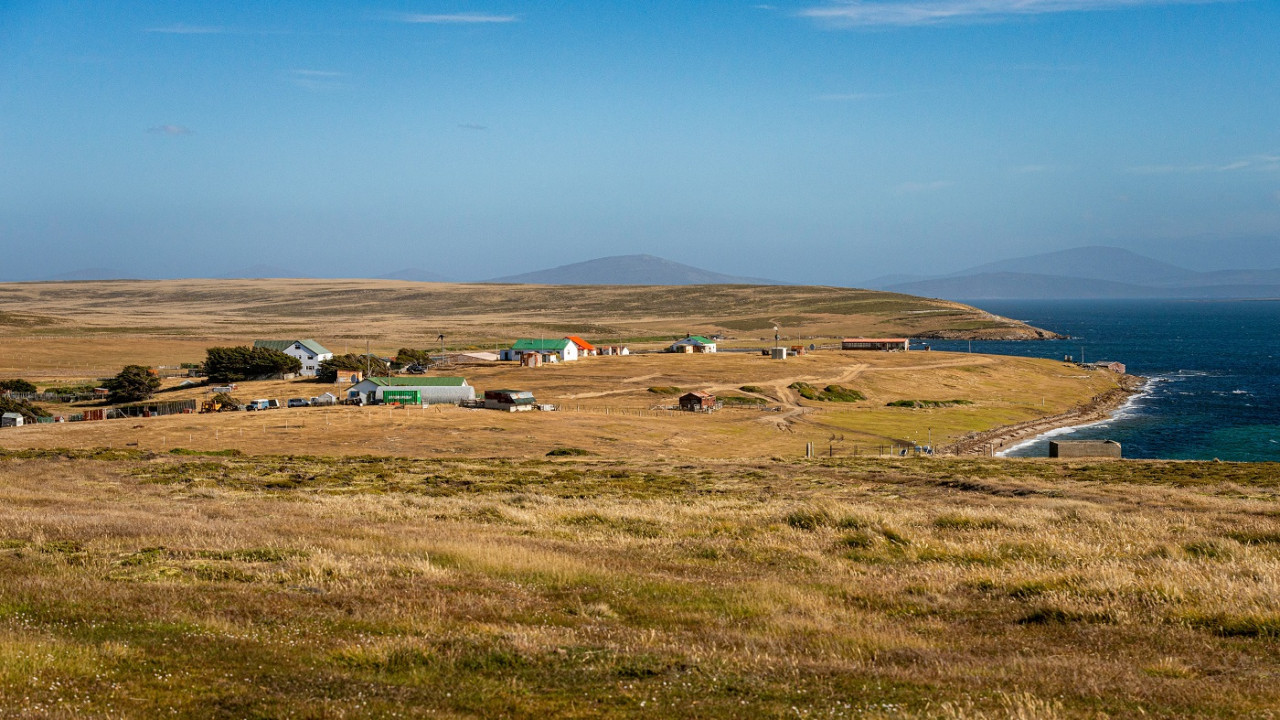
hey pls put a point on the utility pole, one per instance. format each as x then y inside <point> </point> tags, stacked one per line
<point>367,369</point>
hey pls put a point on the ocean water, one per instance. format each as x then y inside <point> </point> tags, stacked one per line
<point>1214,370</point>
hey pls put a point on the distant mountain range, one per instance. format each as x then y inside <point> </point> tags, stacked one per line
<point>1086,273</point>
<point>630,270</point>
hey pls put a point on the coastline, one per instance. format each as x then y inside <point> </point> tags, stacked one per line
<point>994,441</point>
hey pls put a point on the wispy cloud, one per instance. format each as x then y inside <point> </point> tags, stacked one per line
<point>172,130</point>
<point>317,79</point>
<point>456,18</point>
<point>867,13</point>
<point>910,188</point>
<point>472,126</point>
<point>1256,163</point>
<point>181,29</point>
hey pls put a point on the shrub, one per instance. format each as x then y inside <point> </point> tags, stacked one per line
<point>809,519</point>
<point>839,393</point>
<point>567,452</point>
<point>665,390</point>
<point>927,403</point>
<point>753,389</point>
<point>831,393</point>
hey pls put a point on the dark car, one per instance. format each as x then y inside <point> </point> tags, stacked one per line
<point>299,402</point>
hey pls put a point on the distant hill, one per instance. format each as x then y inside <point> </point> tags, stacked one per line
<point>1090,263</point>
<point>414,275</point>
<point>1023,286</point>
<point>629,270</point>
<point>1089,273</point>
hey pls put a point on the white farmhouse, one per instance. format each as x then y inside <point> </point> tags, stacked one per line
<point>309,352</point>
<point>693,344</point>
<point>562,350</point>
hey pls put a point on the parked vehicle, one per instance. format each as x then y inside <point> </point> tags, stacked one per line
<point>262,404</point>
<point>273,404</point>
<point>299,402</point>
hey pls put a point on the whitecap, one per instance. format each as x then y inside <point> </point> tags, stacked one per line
<point>1130,408</point>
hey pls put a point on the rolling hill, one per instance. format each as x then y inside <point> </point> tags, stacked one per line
<point>1088,273</point>
<point>629,270</point>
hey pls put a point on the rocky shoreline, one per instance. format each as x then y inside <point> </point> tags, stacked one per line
<point>1100,407</point>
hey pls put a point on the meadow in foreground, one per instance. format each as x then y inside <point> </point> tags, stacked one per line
<point>221,585</point>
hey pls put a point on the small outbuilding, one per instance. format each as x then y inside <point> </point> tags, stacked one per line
<point>509,400</point>
<point>11,419</point>
<point>1112,365</point>
<point>412,390</point>
<point>1084,449</point>
<point>693,344</point>
<point>884,344</point>
<point>698,401</point>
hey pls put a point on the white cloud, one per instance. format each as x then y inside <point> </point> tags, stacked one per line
<point>172,130</point>
<point>181,29</point>
<point>317,79</point>
<point>864,13</point>
<point>457,18</point>
<point>1257,163</point>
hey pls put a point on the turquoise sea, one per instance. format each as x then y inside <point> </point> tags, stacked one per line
<point>1214,370</point>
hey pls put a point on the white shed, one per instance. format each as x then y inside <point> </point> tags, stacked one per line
<point>412,390</point>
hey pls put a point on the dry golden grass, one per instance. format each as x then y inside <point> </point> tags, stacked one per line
<point>136,584</point>
<point>619,386</point>
<point>109,324</point>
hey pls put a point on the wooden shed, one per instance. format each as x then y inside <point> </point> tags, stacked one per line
<point>698,401</point>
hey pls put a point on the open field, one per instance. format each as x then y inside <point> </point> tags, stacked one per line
<point>434,562</point>
<point>44,325</point>
<point>607,408</point>
<point>140,584</point>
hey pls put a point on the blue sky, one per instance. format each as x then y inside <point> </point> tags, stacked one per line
<point>822,142</point>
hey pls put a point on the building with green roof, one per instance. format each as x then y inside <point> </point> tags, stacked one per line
<point>693,344</point>
<point>552,350</point>
<point>417,390</point>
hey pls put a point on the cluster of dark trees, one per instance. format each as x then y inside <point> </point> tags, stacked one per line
<point>328,370</point>
<point>17,385</point>
<point>409,356</point>
<point>233,364</point>
<point>28,411</point>
<point>131,384</point>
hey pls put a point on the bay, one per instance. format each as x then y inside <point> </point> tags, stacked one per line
<point>1214,370</point>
